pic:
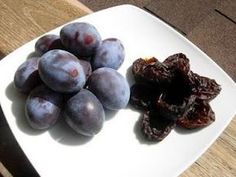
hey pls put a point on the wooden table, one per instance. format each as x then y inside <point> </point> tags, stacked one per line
<point>20,22</point>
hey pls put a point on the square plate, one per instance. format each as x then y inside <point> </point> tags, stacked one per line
<point>118,150</point>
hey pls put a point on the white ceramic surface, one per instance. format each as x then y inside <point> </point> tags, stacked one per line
<point>117,151</point>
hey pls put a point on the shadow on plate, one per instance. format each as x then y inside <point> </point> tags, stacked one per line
<point>63,134</point>
<point>137,129</point>
<point>109,114</point>
<point>129,76</point>
<point>18,110</point>
<point>131,107</point>
<point>184,131</point>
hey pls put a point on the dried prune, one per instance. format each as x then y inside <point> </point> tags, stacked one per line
<point>172,110</point>
<point>200,115</point>
<point>178,62</point>
<point>151,70</point>
<point>143,96</point>
<point>178,89</point>
<point>203,87</point>
<point>140,64</point>
<point>176,98</point>
<point>155,127</point>
<point>182,96</point>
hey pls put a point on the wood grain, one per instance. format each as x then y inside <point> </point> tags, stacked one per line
<point>103,4</point>
<point>4,172</point>
<point>183,14</point>
<point>216,36</point>
<point>21,21</point>
<point>80,5</point>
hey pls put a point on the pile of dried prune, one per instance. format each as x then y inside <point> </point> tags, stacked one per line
<point>171,94</point>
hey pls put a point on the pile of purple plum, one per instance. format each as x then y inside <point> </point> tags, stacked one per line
<point>75,78</point>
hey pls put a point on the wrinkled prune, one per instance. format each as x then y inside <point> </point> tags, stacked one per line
<point>178,62</point>
<point>178,89</point>
<point>200,115</point>
<point>155,127</point>
<point>172,110</point>
<point>151,70</point>
<point>140,64</point>
<point>203,87</point>
<point>176,99</point>
<point>143,96</point>
<point>182,95</point>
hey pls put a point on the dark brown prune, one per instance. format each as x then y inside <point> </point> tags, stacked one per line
<point>140,64</point>
<point>178,62</point>
<point>173,110</point>
<point>143,96</point>
<point>151,70</point>
<point>200,115</point>
<point>155,127</point>
<point>182,96</point>
<point>203,87</point>
<point>176,99</point>
<point>179,89</point>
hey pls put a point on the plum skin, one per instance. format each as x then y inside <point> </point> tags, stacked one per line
<point>48,42</point>
<point>43,107</point>
<point>26,76</point>
<point>110,87</point>
<point>61,71</point>
<point>80,38</point>
<point>110,53</point>
<point>86,67</point>
<point>84,113</point>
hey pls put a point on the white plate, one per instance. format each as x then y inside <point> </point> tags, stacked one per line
<point>117,151</point>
